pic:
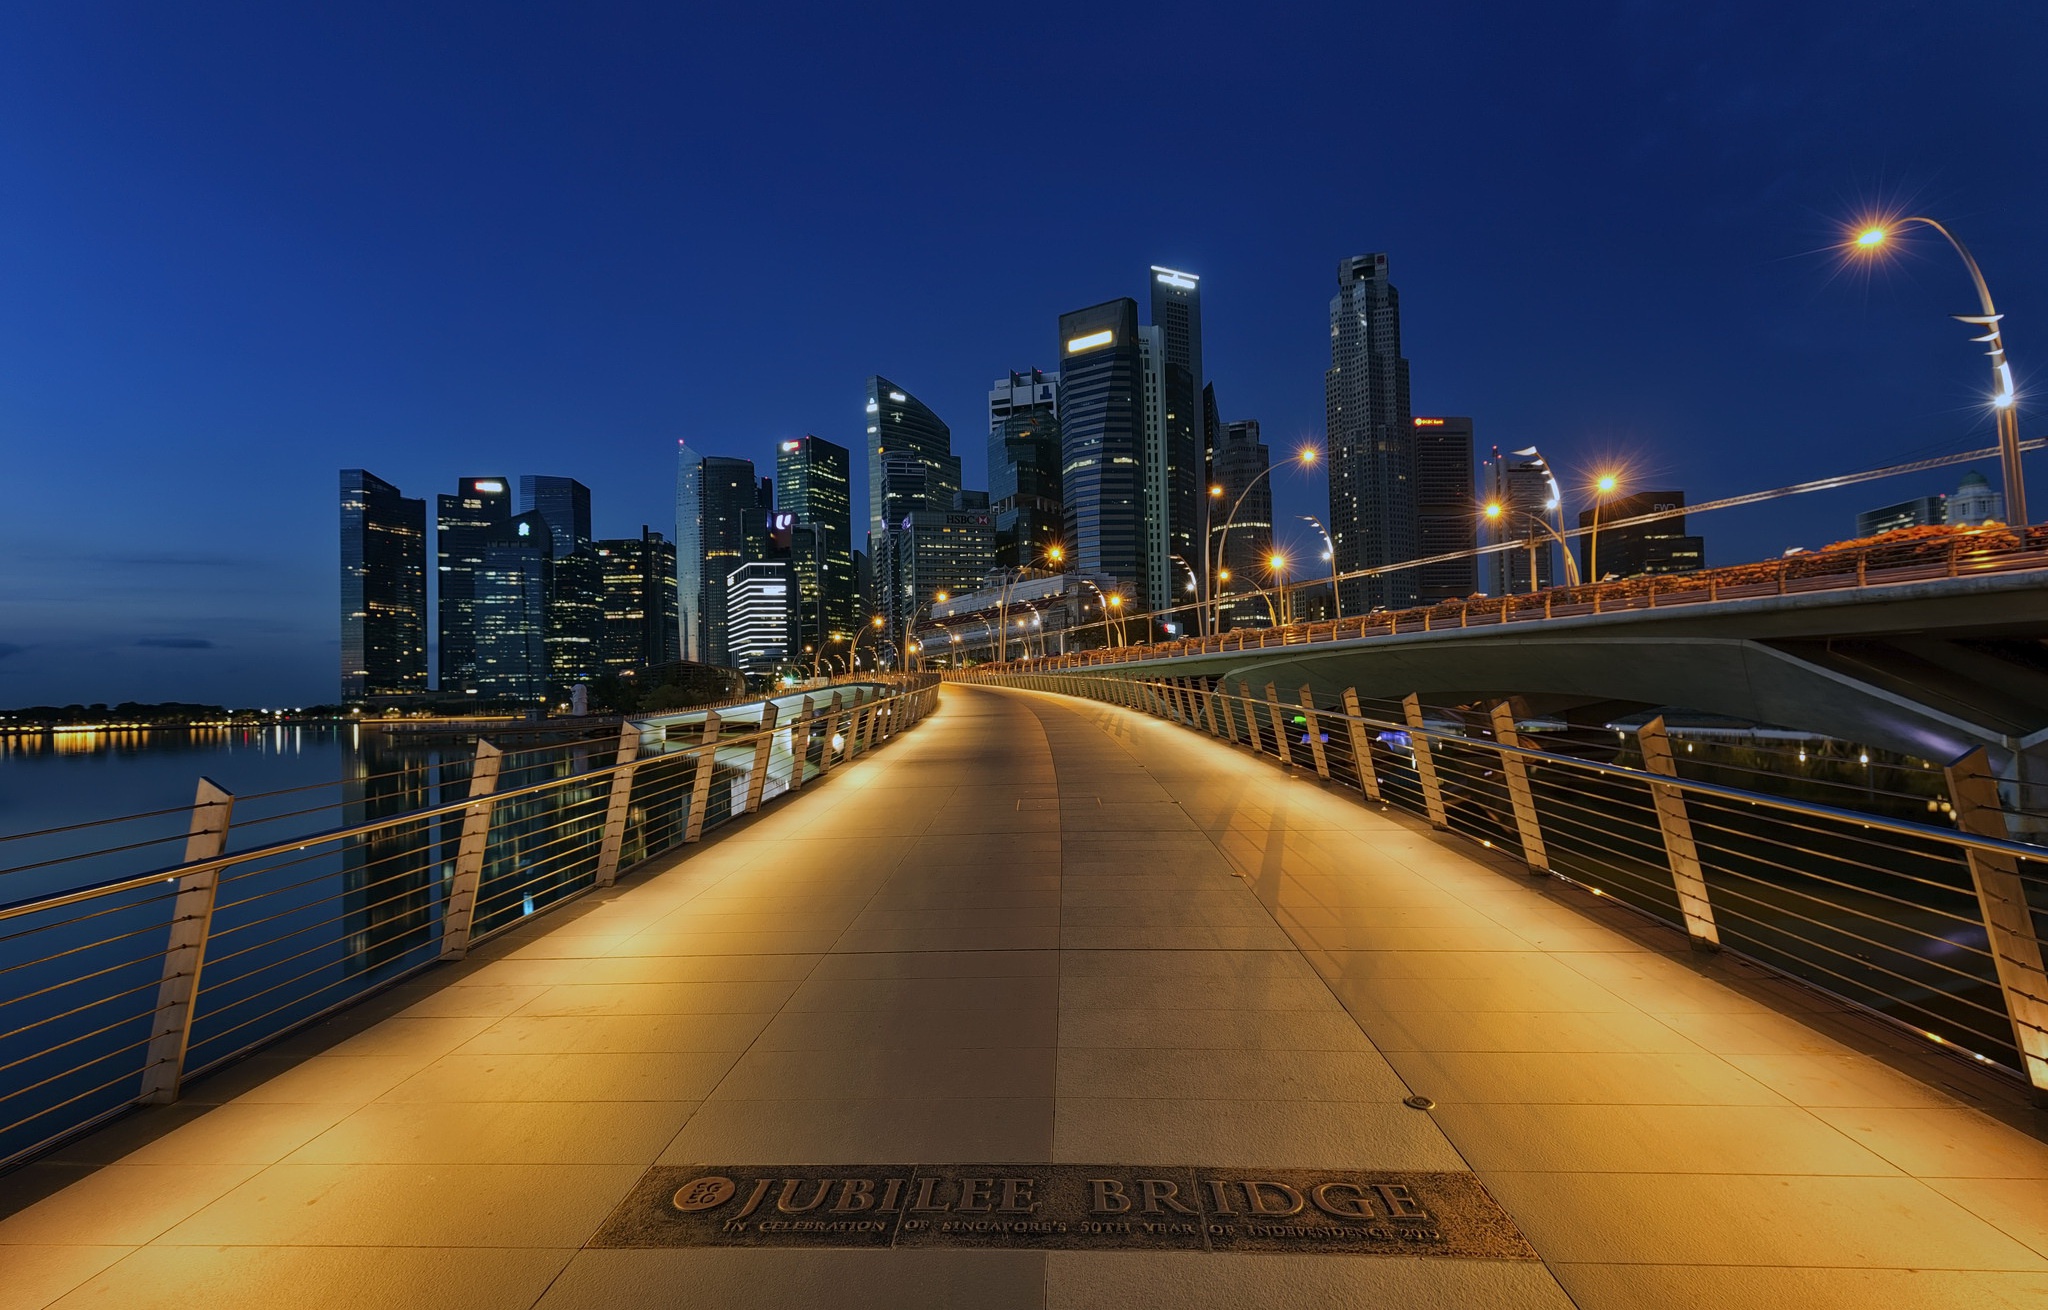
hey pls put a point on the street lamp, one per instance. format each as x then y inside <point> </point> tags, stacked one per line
<point>1603,486</point>
<point>1276,563</point>
<point>1330,554</point>
<point>1305,458</point>
<point>2004,402</point>
<point>853,655</point>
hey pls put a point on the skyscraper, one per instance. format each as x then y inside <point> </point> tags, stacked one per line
<point>761,615</point>
<point>1241,540</point>
<point>575,603</point>
<point>1371,437</point>
<point>816,487</point>
<point>513,582</point>
<point>383,588</point>
<point>689,541</point>
<point>461,524</point>
<point>1024,467</point>
<point>1158,499</point>
<point>899,422</point>
<point>639,602</point>
<point>1521,484</point>
<point>1177,312</point>
<point>1921,511</point>
<point>1446,516</point>
<point>1102,443</point>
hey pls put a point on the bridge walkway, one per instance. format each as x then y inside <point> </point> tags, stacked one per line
<point>1042,931</point>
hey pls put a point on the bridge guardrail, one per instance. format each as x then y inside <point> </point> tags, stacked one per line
<point>1938,932</point>
<point>117,991</point>
<point>1961,554</point>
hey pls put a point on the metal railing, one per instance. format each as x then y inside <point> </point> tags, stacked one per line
<point>1938,931</point>
<point>115,991</point>
<point>1960,554</point>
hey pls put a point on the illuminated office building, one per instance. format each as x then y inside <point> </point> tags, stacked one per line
<point>513,581</point>
<point>1177,314</point>
<point>461,524</point>
<point>1103,444</point>
<point>1371,438</point>
<point>815,477</point>
<point>1446,514</point>
<point>639,575</point>
<point>899,423</point>
<point>383,588</point>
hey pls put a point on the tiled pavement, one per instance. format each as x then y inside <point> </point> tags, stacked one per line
<point>1041,930</point>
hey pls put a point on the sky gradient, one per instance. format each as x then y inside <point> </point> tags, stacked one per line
<point>241,248</point>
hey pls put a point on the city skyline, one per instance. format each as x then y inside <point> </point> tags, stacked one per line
<point>260,332</point>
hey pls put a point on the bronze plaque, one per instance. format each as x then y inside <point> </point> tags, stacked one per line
<point>1066,1207</point>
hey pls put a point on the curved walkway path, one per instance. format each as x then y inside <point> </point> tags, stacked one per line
<point>1044,931</point>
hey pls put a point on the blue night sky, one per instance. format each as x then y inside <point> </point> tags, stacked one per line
<point>244,246</point>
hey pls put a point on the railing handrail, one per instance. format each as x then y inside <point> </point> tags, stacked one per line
<point>1809,809</point>
<point>173,872</point>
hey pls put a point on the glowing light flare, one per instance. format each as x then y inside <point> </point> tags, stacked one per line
<point>1872,236</point>
<point>1307,455</point>
<point>1493,509</point>
<point>1607,482</point>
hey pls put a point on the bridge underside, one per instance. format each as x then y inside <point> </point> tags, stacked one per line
<point>1036,933</point>
<point>1928,669</point>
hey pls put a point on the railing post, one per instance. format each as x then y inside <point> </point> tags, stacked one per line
<point>618,805</point>
<point>700,782</point>
<point>856,723</point>
<point>828,750</point>
<point>1208,698</point>
<point>757,777</point>
<point>1282,748</point>
<point>1516,770</point>
<point>800,744</point>
<point>1315,732</point>
<point>1680,850</point>
<point>1251,716</point>
<point>1361,746</point>
<point>2008,921</point>
<point>877,708</point>
<point>458,915</point>
<point>1425,763</point>
<point>185,952</point>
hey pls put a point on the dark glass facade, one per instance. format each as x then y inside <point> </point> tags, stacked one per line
<point>383,589</point>
<point>1649,548</point>
<point>1102,443</point>
<point>462,522</point>
<point>1024,468</point>
<point>1371,438</point>
<point>1446,514</point>
<point>513,583</point>
<point>898,422</point>
<point>1177,312</point>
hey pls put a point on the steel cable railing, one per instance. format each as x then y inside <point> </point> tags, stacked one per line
<point>120,987</point>
<point>1933,929</point>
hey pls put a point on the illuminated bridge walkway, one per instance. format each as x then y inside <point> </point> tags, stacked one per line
<point>1057,1003</point>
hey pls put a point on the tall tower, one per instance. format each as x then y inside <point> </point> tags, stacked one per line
<point>1244,539</point>
<point>1177,312</point>
<point>1446,515</point>
<point>1158,466</point>
<point>730,495</point>
<point>1371,437</point>
<point>1102,443</point>
<point>383,588</point>
<point>899,421</point>
<point>462,522</point>
<point>1024,491</point>
<point>816,487</point>
<point>689,541</point>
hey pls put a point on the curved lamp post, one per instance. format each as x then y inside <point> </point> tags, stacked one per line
<point>1305,457</point>
<point>2004,402</point>
<point>1603,487</point>
<point>1330,554</point>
